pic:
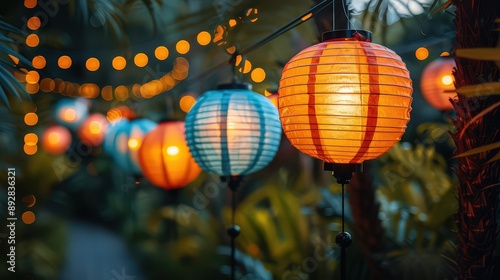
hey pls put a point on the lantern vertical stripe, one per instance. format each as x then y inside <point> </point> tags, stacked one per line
<point>190,134</point>
<point>348,77</point>
<point>233,131</point>
<point>225,159</point>
<point>373,101</point>
<point>311,90</point>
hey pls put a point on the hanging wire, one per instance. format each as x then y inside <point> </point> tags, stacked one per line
<point>287,27</point>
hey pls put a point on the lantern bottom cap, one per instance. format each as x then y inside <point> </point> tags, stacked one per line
<point>343,171</point>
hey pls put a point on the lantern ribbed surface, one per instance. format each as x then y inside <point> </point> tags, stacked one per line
<point>437,83</point>
<point>164,157</point>
<point>345,101</point>
<point>233,131</point>
<point>124,140</point>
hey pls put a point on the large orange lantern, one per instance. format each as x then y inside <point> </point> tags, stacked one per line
<point>437,83</point>
<point>165,159</point>
<point>56,140</point>
<point>345,100</point>
<point>93,130</point>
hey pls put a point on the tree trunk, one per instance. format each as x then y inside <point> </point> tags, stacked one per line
<point>478,200</point>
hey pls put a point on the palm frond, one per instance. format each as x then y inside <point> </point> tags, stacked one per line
<point>8,82</point>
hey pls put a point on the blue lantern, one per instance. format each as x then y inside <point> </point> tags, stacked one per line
<point>233,131</point>
<point>109,139</point>
<point>71,112</point>
<point>124,141</point>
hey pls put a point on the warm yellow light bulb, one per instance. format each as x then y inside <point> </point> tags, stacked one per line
<point>68,115</point>
<point>447,80</point>
<point>134,143</point>
<point>95,127</point>
<point>172,151</point>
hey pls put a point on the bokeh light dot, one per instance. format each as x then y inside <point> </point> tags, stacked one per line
<point>39,62</point>
<point>64,62</point>
<point>28,217</point>
<point>186,102</point>
<point>34,23</point>
<point>30,150</point>
<point>92,64</point>
<point>258,75</point>
<point>31,119</point>
<point>119,63</point>
<point>161,53</point>
<point>32,40</point>
<point>422,53</point>
<point>141,60</point>
<point>204,38</point>
<point>182,47</point>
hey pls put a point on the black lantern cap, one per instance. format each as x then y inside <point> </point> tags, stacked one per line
<point>341,171</point>
<point>361,35</point>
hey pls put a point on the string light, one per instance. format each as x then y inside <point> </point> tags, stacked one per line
<point>422,53</point>
<point>119,63</point>
<point>39,62</point>
<point>34,23</point>
<point>92,64</point>
<point>141,60</point>
<point>182,47</point>
<point>64,62</point>
<point>32,40</point>
<point>161,53</point>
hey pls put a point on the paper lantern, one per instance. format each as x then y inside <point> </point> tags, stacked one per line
<point>126,138</point>
<point>233,131</point>
<point>164,157</point>
<point>71,112</point>
<point>56,140</point>
<point>345,100</point>
<point>438,84</point>
<point>109,139</point>
<point>93,129</point>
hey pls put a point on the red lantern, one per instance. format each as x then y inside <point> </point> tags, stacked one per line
<point>56,140</point>
<point>438,84</point>
<point>165,159</point>
<point>93,130</point>
<point>345,100</point>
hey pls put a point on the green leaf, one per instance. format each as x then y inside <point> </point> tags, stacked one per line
<point>479,53</point>
<point>4,98</point>
<point>485,148</point>
<point>484,89</point>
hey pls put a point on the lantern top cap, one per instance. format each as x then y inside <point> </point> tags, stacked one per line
<point>235,85</point>
<point>360,35</point>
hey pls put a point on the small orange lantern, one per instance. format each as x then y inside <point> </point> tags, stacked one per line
<point>165,159</point>
<point>345,100</point>
<point>56,140</point>
<point>437,83</point>
<point>93,130</point>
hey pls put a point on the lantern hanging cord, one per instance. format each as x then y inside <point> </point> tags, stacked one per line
<point>287,27</point>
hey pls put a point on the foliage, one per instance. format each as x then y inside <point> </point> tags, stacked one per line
<point>9,58</point>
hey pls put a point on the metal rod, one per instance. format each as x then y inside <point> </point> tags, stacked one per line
<point>340,14</point>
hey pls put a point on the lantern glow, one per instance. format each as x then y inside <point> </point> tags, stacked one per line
<point>437,83</point>
<point>165,159</point>
<point>345,100</point>
<point>56,140</point>
<point>93,129</point>
<point>71,112</point>
<point>123,141</point>
<point>233,131</point>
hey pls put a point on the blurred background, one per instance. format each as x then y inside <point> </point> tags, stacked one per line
<point>81,216</point>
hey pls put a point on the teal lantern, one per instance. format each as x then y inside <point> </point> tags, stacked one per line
<point>233,131</point>
<point>123,141</point>
<point>71,112</point>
